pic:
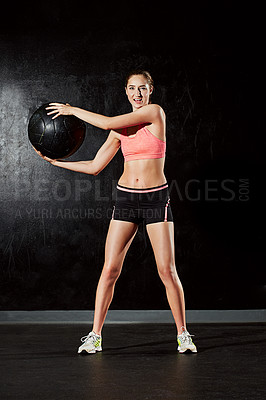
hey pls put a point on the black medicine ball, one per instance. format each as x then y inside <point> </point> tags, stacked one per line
<point>55,138</point>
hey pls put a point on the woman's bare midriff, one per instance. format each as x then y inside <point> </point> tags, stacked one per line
<point>143,173</point>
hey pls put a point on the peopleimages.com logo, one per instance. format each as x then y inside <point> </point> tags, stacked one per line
<point>100,204</point>
<point>61,190</point>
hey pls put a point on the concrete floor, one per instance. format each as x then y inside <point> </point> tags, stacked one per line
<point>139,361</point>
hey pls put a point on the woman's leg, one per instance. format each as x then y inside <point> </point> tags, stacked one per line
<point>118,240</point>
<point>161,235</point>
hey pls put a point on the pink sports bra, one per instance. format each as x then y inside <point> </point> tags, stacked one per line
<point>143,145</point>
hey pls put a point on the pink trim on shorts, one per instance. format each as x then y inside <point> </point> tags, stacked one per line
<point>142,190</point>
<point>165,212</point>
<point>113,212</point>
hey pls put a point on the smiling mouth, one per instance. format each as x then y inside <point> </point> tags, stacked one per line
<point>138,100</point>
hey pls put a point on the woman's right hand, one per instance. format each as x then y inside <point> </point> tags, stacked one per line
<point>59,109</point>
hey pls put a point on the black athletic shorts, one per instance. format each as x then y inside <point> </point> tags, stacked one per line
<point>137,205</point>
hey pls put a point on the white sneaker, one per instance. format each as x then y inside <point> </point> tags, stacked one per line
<point>91,343</point>
<point>185,343</point>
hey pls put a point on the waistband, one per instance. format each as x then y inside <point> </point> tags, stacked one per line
<point>146,190</point>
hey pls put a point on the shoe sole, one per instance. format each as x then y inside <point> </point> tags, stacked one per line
<point>194,350</point>
<point>89,351</point>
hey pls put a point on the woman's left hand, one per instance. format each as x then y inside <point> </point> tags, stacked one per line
<point>50,160</point>
<point>59,109</point>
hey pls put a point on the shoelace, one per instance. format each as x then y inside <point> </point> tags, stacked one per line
<point>185,337</point>
<point>85,338</point>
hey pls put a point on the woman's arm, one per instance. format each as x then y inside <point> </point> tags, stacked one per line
<point>150,113</point>
<point>104,155</point>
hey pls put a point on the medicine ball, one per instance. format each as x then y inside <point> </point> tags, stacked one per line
<point>55,138</point>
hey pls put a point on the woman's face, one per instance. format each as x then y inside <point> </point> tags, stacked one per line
<point>138,91</point>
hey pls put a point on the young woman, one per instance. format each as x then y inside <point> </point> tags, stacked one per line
<point>142,194</point>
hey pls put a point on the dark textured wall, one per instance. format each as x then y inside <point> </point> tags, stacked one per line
<point>205,60</point>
